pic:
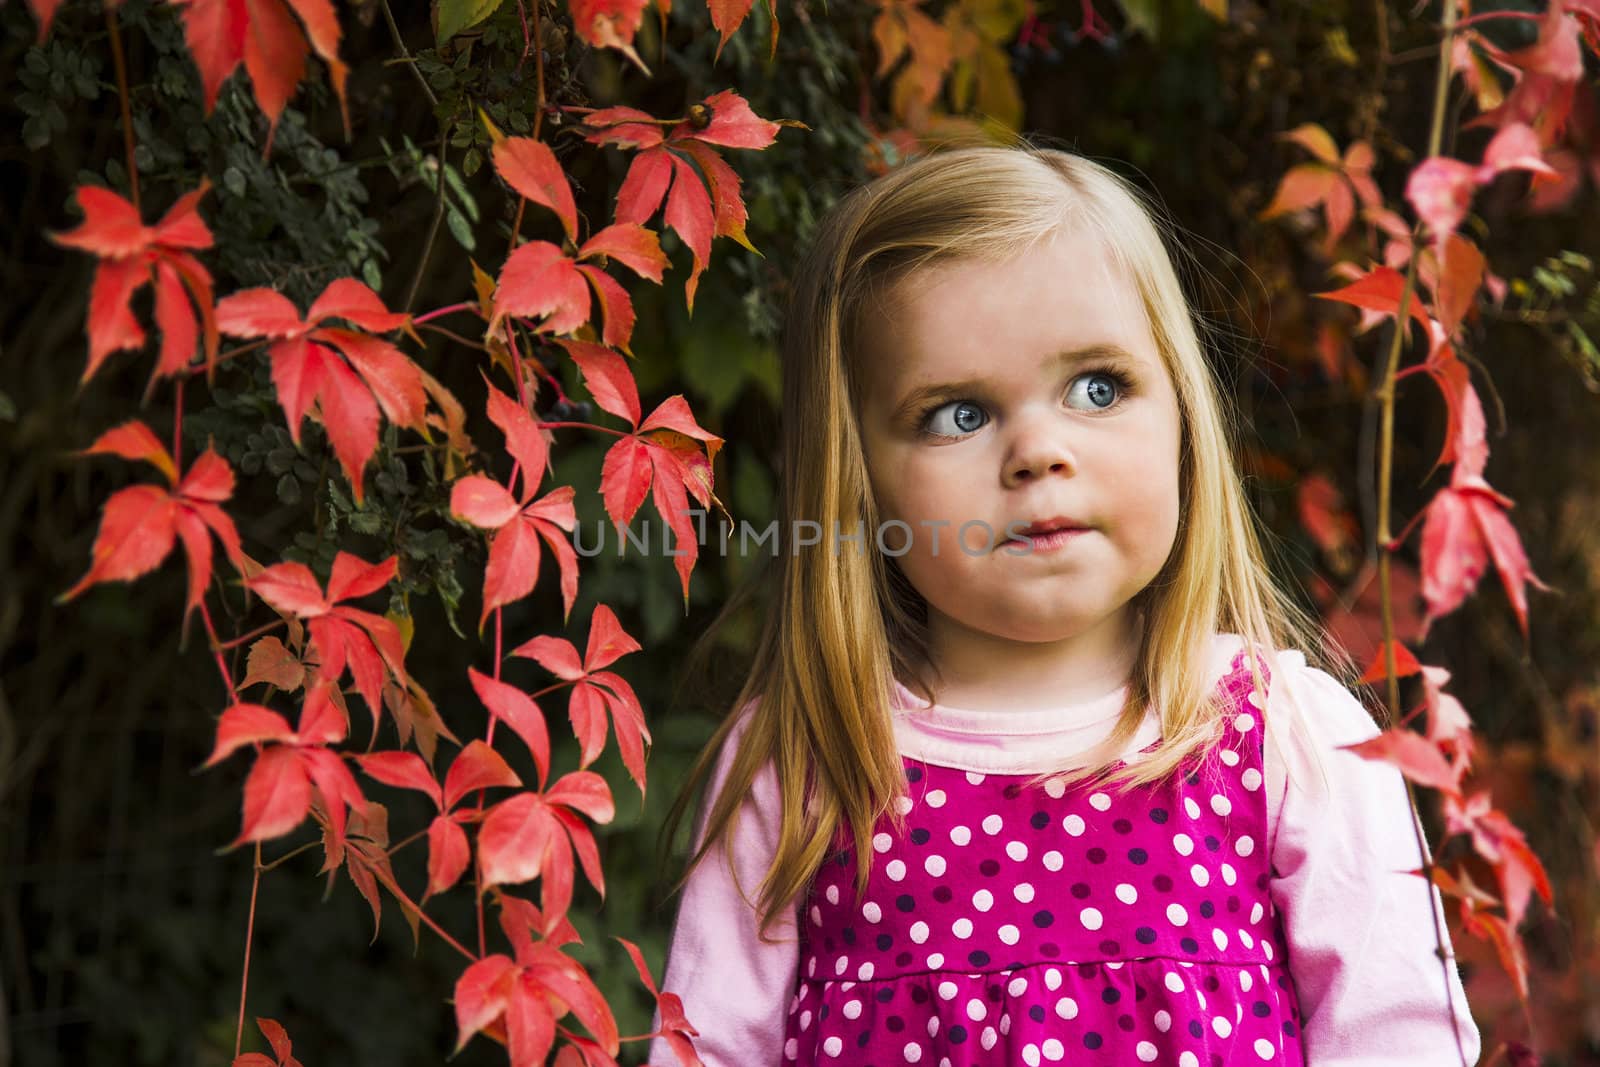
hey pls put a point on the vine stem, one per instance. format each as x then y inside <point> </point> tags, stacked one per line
<point>257,632</point>
<point>120,64</point>
<point>200,368</point>
<point>1386,394</point>
<point>465,305</point>
<point>249,936</point>
<point>216,650</point>
<point>177,428</point>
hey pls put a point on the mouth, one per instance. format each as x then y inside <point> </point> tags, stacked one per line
<point>1045,530</point>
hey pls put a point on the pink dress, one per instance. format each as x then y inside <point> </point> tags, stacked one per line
<point>1195,922</point>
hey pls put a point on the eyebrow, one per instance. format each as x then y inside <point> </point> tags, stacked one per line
<point>913,400</point>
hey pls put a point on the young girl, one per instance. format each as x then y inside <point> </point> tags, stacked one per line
<point>1006,784</point>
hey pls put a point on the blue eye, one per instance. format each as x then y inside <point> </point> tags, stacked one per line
<point>965,417</point>
<point>1103,388</point>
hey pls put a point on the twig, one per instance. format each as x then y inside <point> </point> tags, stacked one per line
<point>249,935</point>
<point>119,63</point>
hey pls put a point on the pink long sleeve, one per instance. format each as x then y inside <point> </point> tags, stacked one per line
<point>1362,948</point>
<point>735,988</point>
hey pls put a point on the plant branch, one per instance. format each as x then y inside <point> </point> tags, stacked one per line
<point>249,936</point>
<point>120,64</point>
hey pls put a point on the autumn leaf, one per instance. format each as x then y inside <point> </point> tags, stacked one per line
<point>133,255</point>
<point>1497,840</point>
<point>675,1028</point>
<point>1441,189</point>
<point>140,523</point>
<point>532,835</point>
<point>273,39</point>
<point>1333,181</point>
<point>307,370</point>
<point>610,24</point>
<point>597,691</point>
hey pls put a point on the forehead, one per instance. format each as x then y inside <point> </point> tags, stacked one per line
<point>963,317</point>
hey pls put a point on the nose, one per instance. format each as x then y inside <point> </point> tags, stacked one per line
<point>1039,450</point>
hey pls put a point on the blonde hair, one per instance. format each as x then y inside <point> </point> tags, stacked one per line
<point>845,626</point>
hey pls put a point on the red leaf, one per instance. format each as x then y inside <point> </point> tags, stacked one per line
<point>322,718</point>
<point>393,378</point>
<point>209,478</point>
<point>111,325</point>
<point>513,567</point>
<point>1404,663</point>
<point>626,127</point>
<point>1379,290</point>
<point>244,724</point>
<point>477,766</point>
<point>539,280</point>
<point>180,334</point>
<point>483,502</point>
<point>515,840</point>
<point>616,307</point>
<point>645,184</point>
<point>673,414</point>
<point>608,641</point>
<point>137,529</point>
<point>628,718</point>
<point>608,378</point>
<point>259,313</point>
<point>727,203</point>
<point>1417,758</point>
<point>351,299</point>
<point>277,1037</point>
<point>639,964</point>
<point>609,24</point>
<point>566,978</point>
<point>353,576</point>
<point>632,245</point>
<point>292,589</point>
<point>336,784</point>
<point>277,795</point>
<point>270,661</point>
<point>403,769</point>
<point>586,709</point>
<point>625,480</point>
<point>527,444</point>
<point>275,57</point>
<point>351,419</point>
<point>566,561</point>
<point>530,1024</point>
<point>667,490</point>
<point>531,168</point>
<point>135,441</point>
<point>585,791</point>
<point>733,124</point>
<point>480,995</point>
<point>519,712</point>
<point>583,844</point>
<point>111,227</point>
<point>689,213</point>
<point>1441,191</point>
<point>297,377</point>
<point>554,654</point>
<point>448,854</point>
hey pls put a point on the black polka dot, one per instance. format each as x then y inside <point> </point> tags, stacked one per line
<point>920,995</point>
<point>1040,820</point>
<point>1092,1040</point>
<point>1050,950</point>
<point>1122,826</point>
<point>1212,983</point>
<point>827,944</point>
<point>904,902</point>
<point>1097,855</point>
<point>1289,1029</point>
<point>1088,970</point>
<point>1036,1013</point>
<point>1012,791</point>
<point>1110,948</point>
<point>1080,890</point>
<point>1190,944</point>
<point>884,942</point>
<point>903,960</point>
<point>1125,1023</point>
<point>920,836</point>
<point>862,1038</point>
<point>989,868</point>
<point>1109,995</point>
<point>943,894</point>
<point>1195,1030</point>
<point>993,992</point>
<point>1233,903</point>
<point>823,1014</point>
<point>1193,778</point>
<point>914,774</point>
<point>1260,1009</point>
<point>894,1024</point>
<point>1138,855</point>
<point>1158,815</point>
<point>1217,1060</point>
<point>1212,843</point>
<point>1145,935</point>
<point>956,1034</point>
<point>1207,909</point>
<point>1043,918</point>
<point>885,994</point>
<point>1163,883</point>
<point>979,958</point>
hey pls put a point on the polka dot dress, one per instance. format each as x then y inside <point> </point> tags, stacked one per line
<point>1037,925</point>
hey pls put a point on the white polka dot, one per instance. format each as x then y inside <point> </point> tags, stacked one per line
<point>1246,939</point>
<point>1222,1026</point>
<point>1067,1008</point>
<point>882,842</point>
<point>1053,1050</point>
<point>1245,981</point>
<point>1174,983</point>
<point>991,825</point>
<point>933,1027</point>
<point>896,870</point>
<point>1244,722</point>
<point>1176,915</point>
<point>934,865</point>
<point>1053,860</point>
<point>1163,1020</point>
<point>840,964</point>
<point>1005,1023</point>
<point>947,991</point>
<point>913,1052</point>
<point>1257,700</point>
<point>1052,979</point>
<point>1010,934</point>
<point>974,777</point>
<point>960,835</point>
<point>1145,1051</point>
<point>1264,1048</point>
<point>1250,779</point>
<point>983,900</point>
<point>1055,789</point>
<point>1023,891</point>
<point>1200,875</point>
<point>1245,845</point>
<point>805,1020</point>
<point>1017,850</point>
<point>934,799</point>
<point>1099,801</point>
<point>1073,824</point>
<point>1183,843</point>
<point>1266,948</point>
<point>816,915</point>
<point>832,894</point>
<point>1256,913</point>
<point>1221,804</point>
<point>988,1038</point>
<point>811,967</point>
<point>852,1009</point>
<point>1229,756</point>
<point>871,912</point>
<point>962,928</point>
<point>1091,918</point>
<point>1191,807</point>
<point>1030,1054</point>
<point>1229,875</point>
<point>1188,1059</point>
<point>1017,986</point>
<point>865,973</point>
<point>833,1046</point>
<point>976,1010</point>
<point>919,932</point>
<point>935,961</point>
<point>902,804</point>
<point>1126,893</point>
<point>1220,938</point>
<point>791,1049</point>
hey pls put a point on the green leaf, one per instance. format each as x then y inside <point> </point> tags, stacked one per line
<point>458,15</point>
<point>460,228</point>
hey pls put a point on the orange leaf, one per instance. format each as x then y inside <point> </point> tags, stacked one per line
<point>531,168</point>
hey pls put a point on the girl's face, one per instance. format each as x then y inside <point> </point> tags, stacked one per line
<point>1007,394</point>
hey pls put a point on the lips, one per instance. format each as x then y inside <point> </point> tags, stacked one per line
<point>1050,525</point>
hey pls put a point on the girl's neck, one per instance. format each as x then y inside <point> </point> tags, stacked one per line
<point>978,671</point>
